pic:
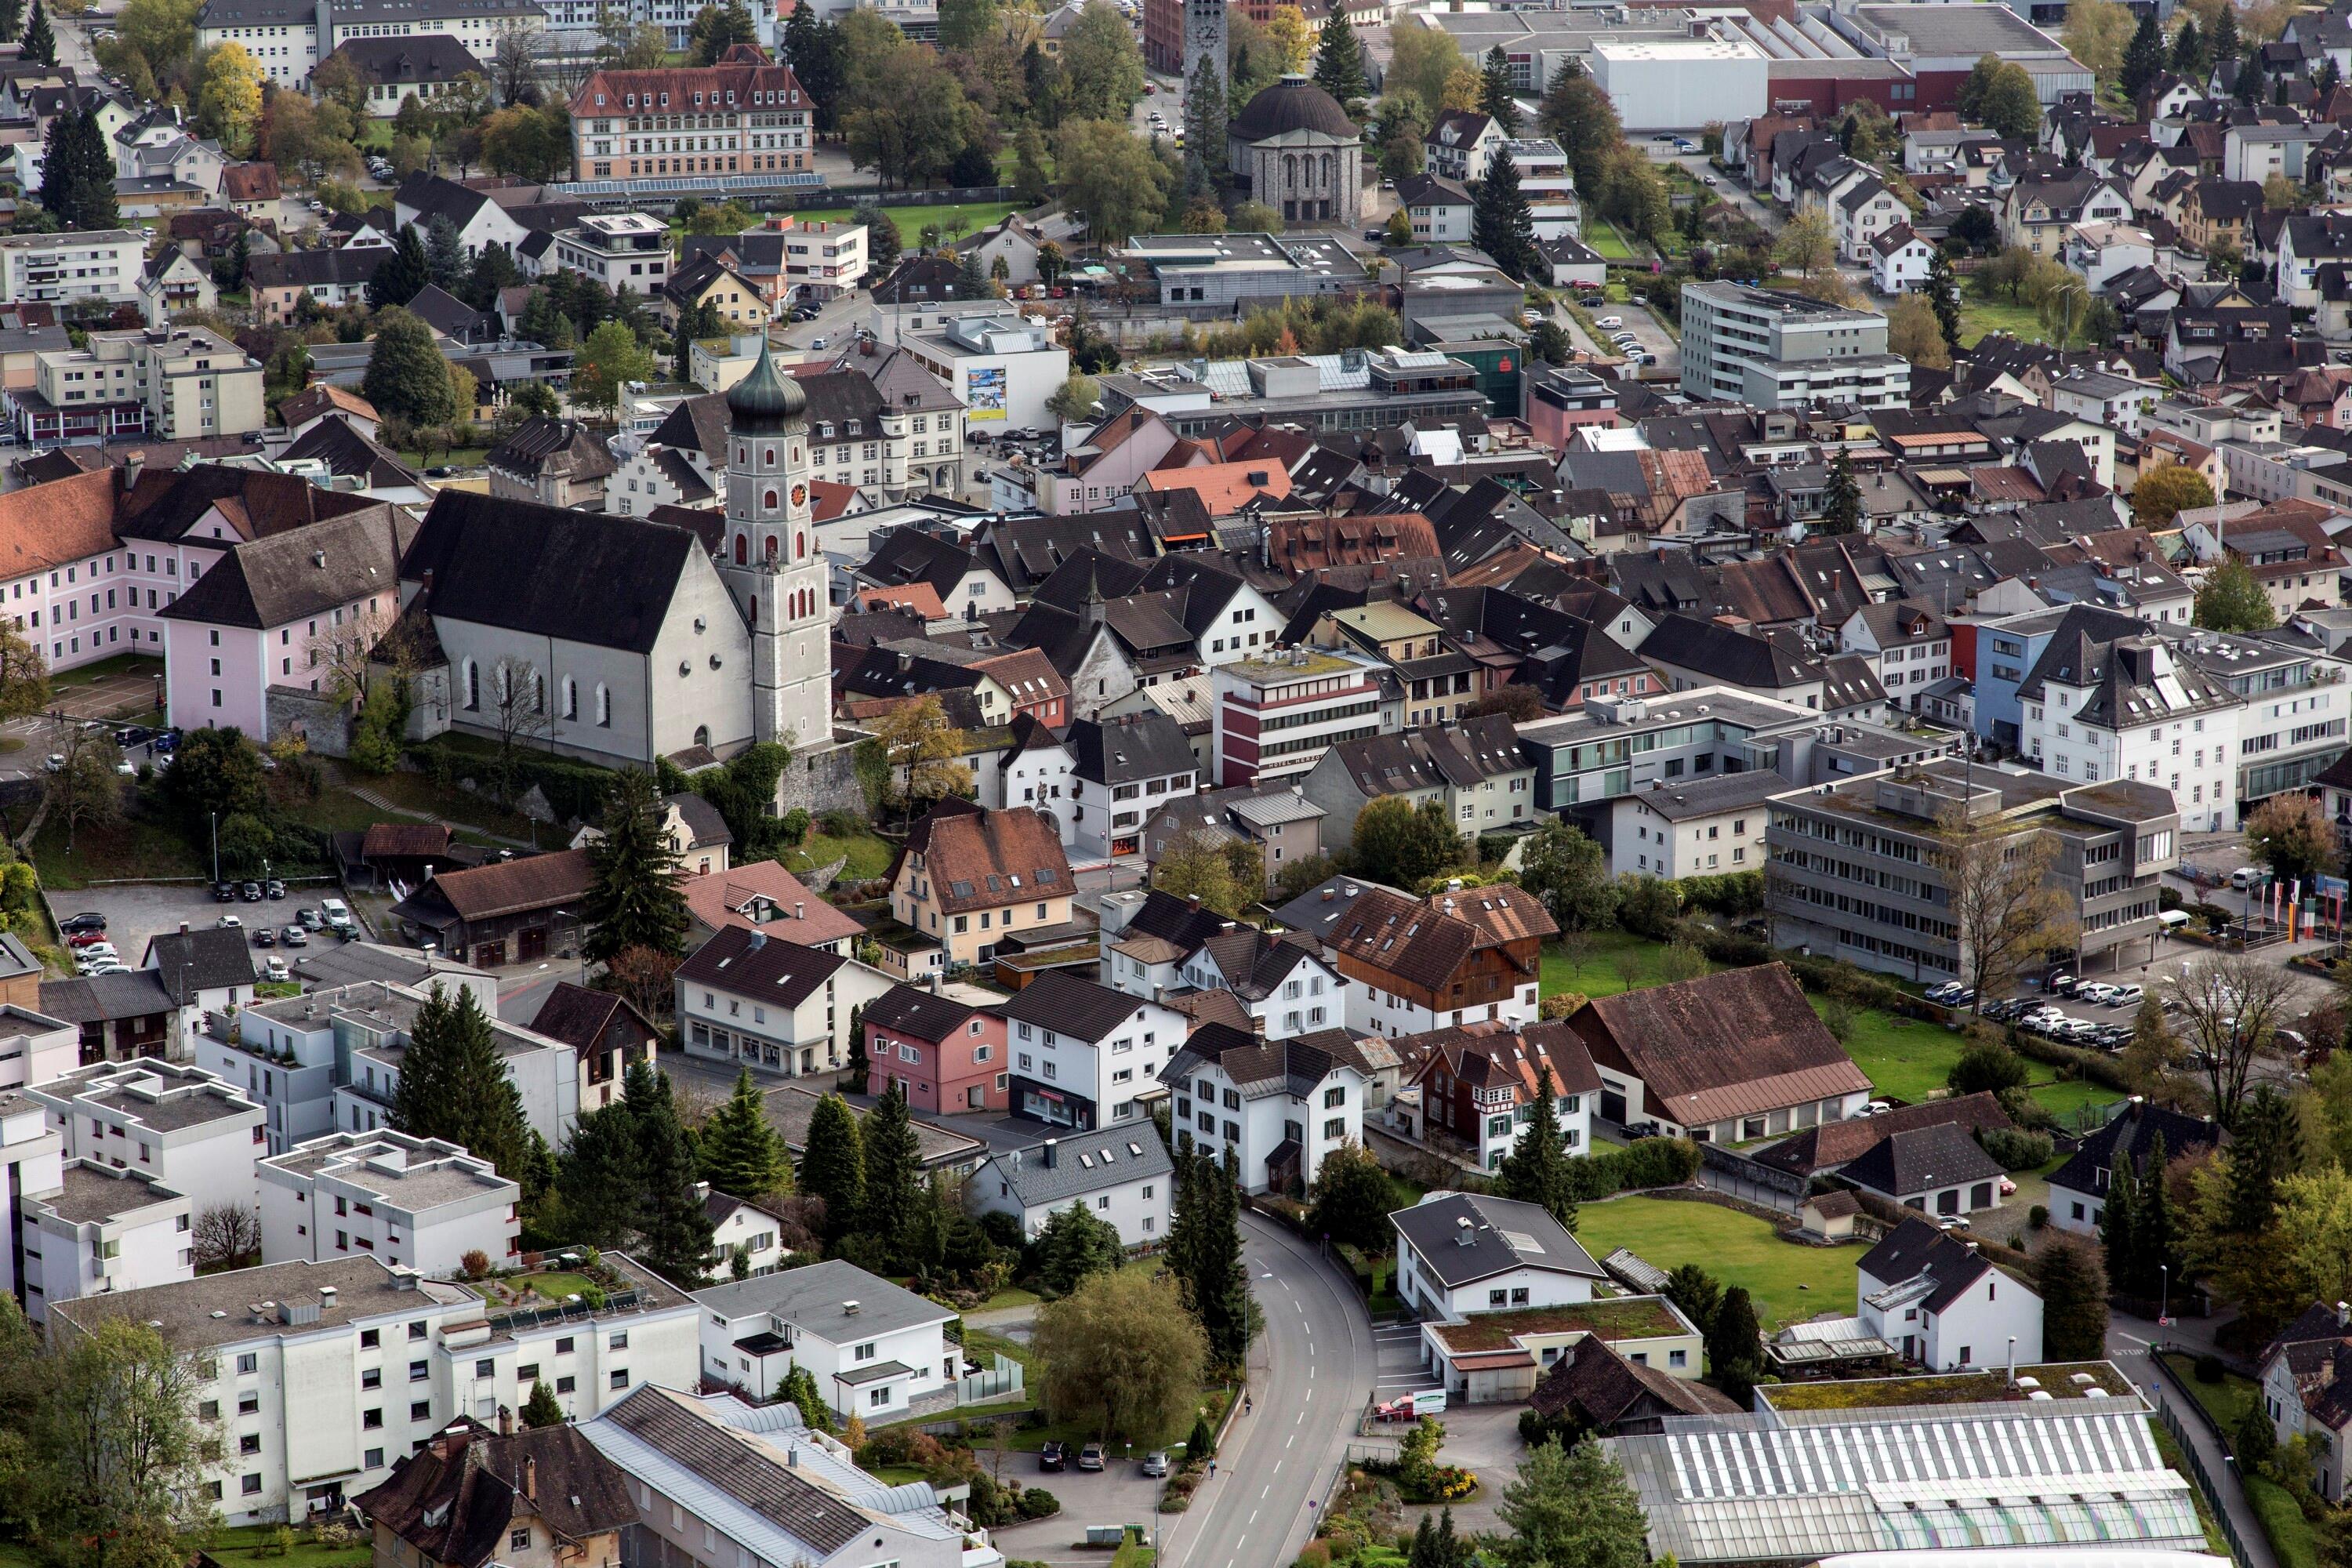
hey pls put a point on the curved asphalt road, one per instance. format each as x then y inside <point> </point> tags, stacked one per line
<point>1309,1385</point>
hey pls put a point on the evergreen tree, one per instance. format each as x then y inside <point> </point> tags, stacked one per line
<point>12,18</point>
<point>2225,47</point>
<point>832,1165</point>
<point>2268,1150</point>
<point>2246,86</point>
<point>540,1409</point>
<point>2188,50</point>
<point>40,42</point>
<point>78,173</point>
<point>1944,299</point>
<point>2144,58</point>
<point>1536,1170</point>
<point>1424,1544</point>
<point>1205,107</point>
<point>1073,1245</point>
<point>894,1171</point>
<point>493,269</point>
<point>633,898</point>
<point>402,275</point>
<point>2119,1231</point>
<point>1697,1293</point>
<point>453,1085</point>
<point>799,1388</point>
<point>1500,222</point>
<point>1733,1344</point>
<point>2074,1291</point>
<point>674,1225</point>
<point>972,282</point>
<point>597,1177</point>
<point>737,1151</point>
<point>1339,60</point>
<point>1452,1551</point>
<point>1844,512</point>
<point>1494,98</point>
<point>1216,1285</point>
<point>445,255</point>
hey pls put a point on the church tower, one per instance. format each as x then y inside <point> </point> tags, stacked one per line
<point>771,564</point>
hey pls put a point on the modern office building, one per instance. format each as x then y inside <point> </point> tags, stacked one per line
<point>1852,870</point>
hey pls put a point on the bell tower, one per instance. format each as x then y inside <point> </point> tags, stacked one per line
<point>771,564</point>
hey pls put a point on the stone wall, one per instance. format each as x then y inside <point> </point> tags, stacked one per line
<point>323,724</point>
<point>822,780</point>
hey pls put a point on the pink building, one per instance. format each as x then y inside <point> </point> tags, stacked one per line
<point>1562,396</point>
<point>89,564</point>
<point>285,610</point>
<point>948,1054</point>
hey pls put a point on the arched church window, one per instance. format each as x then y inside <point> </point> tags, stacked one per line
<point>769,549</point>
<point>742,550</point>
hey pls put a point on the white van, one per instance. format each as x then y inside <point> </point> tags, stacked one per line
<point>2245,877</point>
<point>337,913</point>
<point>2173,920</point>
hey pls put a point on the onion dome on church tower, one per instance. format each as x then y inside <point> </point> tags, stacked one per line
<point>766,400</point>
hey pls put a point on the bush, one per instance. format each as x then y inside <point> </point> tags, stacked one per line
<point>1735,895</point>
<point>1646,906</point>
<point>1650,1162</point>
<point>476,1264</point>
<point>2038,1216</point>
<point>1036,1502</point>
<point>1837,1017</point>
<point>796,825</point>
<point>573,790</point>
<point>2210,1369</point>
<point>2014,1149</point>
<point>1989,1068</point>
<point>1560,1004</point>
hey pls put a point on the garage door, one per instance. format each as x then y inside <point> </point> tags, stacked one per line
<point>529,945</point>
<point>489,954</point>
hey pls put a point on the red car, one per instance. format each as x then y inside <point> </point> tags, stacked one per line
<point>86,938</point>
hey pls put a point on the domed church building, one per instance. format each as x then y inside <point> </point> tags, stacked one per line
<point>1299,153</point>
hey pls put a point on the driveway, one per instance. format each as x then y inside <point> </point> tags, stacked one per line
<point>1120,1493</point>
<point>1484,1438</point>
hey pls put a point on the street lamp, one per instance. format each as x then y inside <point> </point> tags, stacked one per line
<point>2164,1301</point>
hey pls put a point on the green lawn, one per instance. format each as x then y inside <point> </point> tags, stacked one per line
<point>1788,1282</point>
<point>869,856</point>
<point>418,792</point>
<point>247,1546</point>
<point>1595,971</point>
<point>123,850</point>
<point>1602,235</point>
<point>1979,316</point>
<point>954,222</point>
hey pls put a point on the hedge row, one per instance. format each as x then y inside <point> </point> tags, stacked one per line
<point>2096,1065</point>
<point>1650,1162</point>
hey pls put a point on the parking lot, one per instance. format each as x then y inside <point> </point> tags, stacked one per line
<point>1119,1493</point>
<point>138,913</point>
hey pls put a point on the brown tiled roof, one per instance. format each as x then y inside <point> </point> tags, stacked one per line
<point>1836,1144</point>
<point>1733,1043</point>
<point>510,887</point>
<point>721,899</point>
<point>1595,1383</point>
<point>250,182</point>
<point>455,1498</point>
<point>978,859</point>
<point>1488,1052</point>
<point>1426,942</point>
<point>50,524</point>
<point>580,1018</point>
<point>404,841</point>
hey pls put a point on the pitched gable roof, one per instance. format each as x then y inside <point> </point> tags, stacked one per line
<point>974,858</point>
<point>546,570</point>
<point>1733,1043</point>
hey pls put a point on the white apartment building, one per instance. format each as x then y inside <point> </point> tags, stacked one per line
<point>2296,705</point>
<point>425,1202</point>
<point>2134,708</point>
<point>615,248</point>
<point>179,1124</point>
<point>1707,826</point>
<point>1550,187</point>
<point>174,384</point>
<point>1084,1055</point>
<point>872,1346</point>
<point>103,1230</point>
<point>1124,1178</point>
<point>825,258</point>
<point>319,1375</point>
<point>1908,642</point>
<point>1775,348</point>
<point>31,1161</point>
<point>289,37</point>
<point>100,265</point>
<point>773,1006</point>
<point>1278,1107</point>
<point>286,1057</point>
<point>1004,367</point>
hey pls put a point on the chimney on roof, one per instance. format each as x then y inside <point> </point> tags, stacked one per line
<point>506,1421</point>
<point>1049,1153</point>
<point>428,582</point>
<point>184,928</point>
<point>800,910</point>
<point>132,465</point>
<point>531,1480</point>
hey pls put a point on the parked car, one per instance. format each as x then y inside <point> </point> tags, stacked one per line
<point>2094,991</point>
<point>88,919</point>
<point>55,762</point>
<point>1155,1463</point>
<point>1090,1457</point>
<point>311,920</point>
<point>1606,323</point>
<point>134,735</point>
<point>85,938</point>
<point>2126,995</point>
<point>2062,984</point>
<point>1053,1456</point>
<point>250,891</point>
<point>294,936</point>
<point>224,892</point>
<point>2245,877</point>
<point>265,936</point>
<point>232,922</point>
<point>275,970</point>
<point>273,888</point>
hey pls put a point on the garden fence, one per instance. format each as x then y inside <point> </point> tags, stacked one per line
<point>2213,1498</point>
